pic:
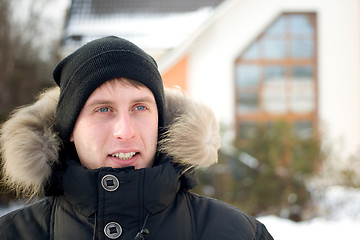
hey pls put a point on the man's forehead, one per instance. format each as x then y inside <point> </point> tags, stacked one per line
<point>107,90</point>
<point>124,81</point>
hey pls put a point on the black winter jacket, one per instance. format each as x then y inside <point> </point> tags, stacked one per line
<point>107,203</point>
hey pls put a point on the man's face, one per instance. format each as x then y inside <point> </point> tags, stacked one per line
<point>117,127</point>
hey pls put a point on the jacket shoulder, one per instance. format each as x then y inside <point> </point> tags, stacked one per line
<point>215,219</point>
<point>30,222</point>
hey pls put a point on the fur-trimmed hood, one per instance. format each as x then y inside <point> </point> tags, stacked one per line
<point>30,145</point>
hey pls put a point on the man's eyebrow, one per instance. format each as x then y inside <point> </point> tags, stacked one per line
<point>144,99</point>
<point>99,102</point>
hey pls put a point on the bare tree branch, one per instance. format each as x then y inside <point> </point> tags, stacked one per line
<point>23,68</point>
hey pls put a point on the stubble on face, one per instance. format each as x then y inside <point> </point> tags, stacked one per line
<point>117,127</point>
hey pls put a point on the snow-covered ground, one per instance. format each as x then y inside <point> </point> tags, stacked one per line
<point>341,218</point>
<point>340,210</point>
<point>316,229</point>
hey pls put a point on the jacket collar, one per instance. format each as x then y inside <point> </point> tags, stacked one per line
<point>151,189</point>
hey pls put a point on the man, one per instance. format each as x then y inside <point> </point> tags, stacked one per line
<point>114,157</point>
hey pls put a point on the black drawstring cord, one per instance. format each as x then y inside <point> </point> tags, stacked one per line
<point>94,233</point>
<point>144,231</point>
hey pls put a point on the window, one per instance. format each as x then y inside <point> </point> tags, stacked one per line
<point>276,76</point>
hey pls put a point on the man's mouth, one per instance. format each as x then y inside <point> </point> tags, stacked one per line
<point>124,156</point>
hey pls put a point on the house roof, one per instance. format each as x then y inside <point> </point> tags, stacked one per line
<point>148,6</point>
<point>155,25</point>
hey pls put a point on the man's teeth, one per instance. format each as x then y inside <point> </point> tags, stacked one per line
<point>124,156</point>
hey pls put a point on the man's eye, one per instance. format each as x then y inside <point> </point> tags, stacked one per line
<point>104,109</point>
<point>140,108</point>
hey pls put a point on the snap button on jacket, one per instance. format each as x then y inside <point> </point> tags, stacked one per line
<point>110,183</point>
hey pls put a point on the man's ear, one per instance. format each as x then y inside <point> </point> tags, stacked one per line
<point>72,137</point>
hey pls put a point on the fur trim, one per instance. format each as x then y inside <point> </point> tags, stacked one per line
<point>30,145</point>
<point>192,137</point>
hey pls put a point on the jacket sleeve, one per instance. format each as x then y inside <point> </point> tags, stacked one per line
<point>30,222</point>
<point>215,219</point>
<point>261,232</point>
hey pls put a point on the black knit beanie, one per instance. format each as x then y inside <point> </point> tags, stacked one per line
<point>98,61</point>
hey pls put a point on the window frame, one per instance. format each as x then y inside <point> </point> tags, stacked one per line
<point>262,116</point>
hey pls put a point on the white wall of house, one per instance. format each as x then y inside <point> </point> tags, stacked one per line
<point>212,55</point>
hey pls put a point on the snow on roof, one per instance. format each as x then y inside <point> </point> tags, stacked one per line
<point>149,31</point>
<point>146,6</point>
<point>151,24</point>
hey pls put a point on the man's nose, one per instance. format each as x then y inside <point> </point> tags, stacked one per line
<point>123,128</point>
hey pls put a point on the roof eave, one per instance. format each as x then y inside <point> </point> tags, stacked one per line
<point>173,56</point>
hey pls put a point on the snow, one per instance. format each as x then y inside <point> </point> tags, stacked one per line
<point>340,203</point>
<point>340,211</point>
<point>319,228</point>
<point>145,30</point>
<point>341,219</point>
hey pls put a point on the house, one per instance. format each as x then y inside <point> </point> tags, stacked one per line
<point>249,60</point>
<point>259,60</point>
